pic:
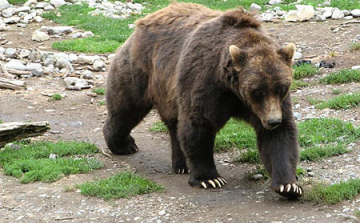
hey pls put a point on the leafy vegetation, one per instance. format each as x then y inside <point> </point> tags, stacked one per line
<point>158,127</point>
<point>32,162</point>
<point>344,101</point>
<point>102,102</point>
<point>304,70</point>
<point>298,84</point>
<point>343,76</point>
<point>332,194</point>
<point>314,101</point>
<point>354,46</point>
<point>316,153</point>
<point>336,91</point>
<point>56,97</point>
<point>122,185</point>
<point>17,2</point>
<point>99,91</point>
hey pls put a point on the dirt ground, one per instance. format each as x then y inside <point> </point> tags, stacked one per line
<point>79,117</point>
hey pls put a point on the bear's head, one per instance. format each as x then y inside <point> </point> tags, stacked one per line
<point>263,75</point>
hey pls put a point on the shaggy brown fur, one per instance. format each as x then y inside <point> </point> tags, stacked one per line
<point>199,67</point>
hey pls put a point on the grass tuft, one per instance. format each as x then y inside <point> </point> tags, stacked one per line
<point>102,102</point>
<point>122,185</point>
<point>56,97</point>
<point>332,194</point>
<point>99,91</point>
<point>316,153</point>
<point>158,127</point>
<point>354,47</point>
<point>32,163</point>
<point>314,101</point>
<point>304,70</point>
<point>344,101</point>
<point>298,84</point>
<point>343,76</point>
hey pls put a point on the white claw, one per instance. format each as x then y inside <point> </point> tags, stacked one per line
<point>212,183</point>
<point>294,186</point>
<point>221,181</point>
<point>179,171</point>
<point>183,171</point>
<point>281,188</point>
<point>217,182</point>
<point>204,185</point>
<point>288,188</point>
<point>300,191</point>
<point>224,180</point>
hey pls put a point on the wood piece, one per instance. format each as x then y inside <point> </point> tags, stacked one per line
<point>18,72</point>
<point>12,84</point>
<point>4,72</point>
<point>13,131</point>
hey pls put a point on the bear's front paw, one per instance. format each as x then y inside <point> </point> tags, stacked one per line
<point>126,147</point>
<point>216,182</point>
<point>291,191</point>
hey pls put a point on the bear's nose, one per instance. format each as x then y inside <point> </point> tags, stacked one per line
<point>274,122</point>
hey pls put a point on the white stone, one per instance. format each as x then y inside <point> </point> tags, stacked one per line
<point>327,14</point>
<point>35,68</point>
<point>22,9</point>
<point>303,13</point>
<point>355,12</point>
<point>83,59</point>
<point>87,74</point>
<point>273,2</point>
<point>24,53</point>
<point>59,30</point>
<point>62,63</point>
<point>337,14</point>
<point>4,4</point>
<point>267,17</point>
<point>12,20</point>
<point>76,35</point>
<point>87,34</point>
<point>38,19</point>
<point>41,5</point>
<point>297,56</point>
<point>320,18</point>
<point>49,8</point>
<point>15,64</point>
<point>40,36</point>
<point>356,68</point>
<point>98,65</point>
<point>75,83</point>
<point>346,12</point>
<point>349,17</point>
<point>255,7</point>
<point>3,26</point>
<point>30,2</point>
<point>10,52</point>
<point>57,3</point>
<point>72,57</point>
<point>7,13</point>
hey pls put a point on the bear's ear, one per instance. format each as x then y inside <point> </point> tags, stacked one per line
<point>288,53</point>
<point>238,56</point>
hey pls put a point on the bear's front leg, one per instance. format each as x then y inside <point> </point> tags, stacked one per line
<point>197,138</point>
<point>279,153</point>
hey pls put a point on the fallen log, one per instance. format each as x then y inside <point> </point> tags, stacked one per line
<point>13,131</point>
<point>12,84</point>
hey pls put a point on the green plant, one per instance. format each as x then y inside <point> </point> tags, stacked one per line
<point>102,102</point>
<point>32,161</point>
<point>304,70</point>
<point>314,101</point>
<point>343,76</point>
<point>99,91</point>
<point>298,84</point>
<point>354,46</point>
<point>344,101</point>
<point>332,194</point>
<point>121,185</point>
<point>316,153</point>
<point>158,127</point>
<point>336,91</point>
<point>56,97</point>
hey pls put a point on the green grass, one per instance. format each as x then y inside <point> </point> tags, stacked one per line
<point>260,170</point>
<point>298,84</point>
<point>99,91</point>
<point>56,97</point>
<point>158,127</point>
<point>357,213</point>
<point>122,185</point>
<point>346,4</point>
<point>17,2</point>
<point>354,46</point>
<point>333,194</point>
<point>314,101</point>
<point>304,70</point>
<point>336,91</point>
<point>102,102</point>
<point>316,153</point>
<point>32,163</point>
<point>343,76</point>
<point>1,121</point>
<point>344,101</point>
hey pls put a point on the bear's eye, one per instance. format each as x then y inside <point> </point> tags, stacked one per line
<point>258,94</point>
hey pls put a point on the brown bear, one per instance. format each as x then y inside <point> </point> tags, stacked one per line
<point>198,67</point>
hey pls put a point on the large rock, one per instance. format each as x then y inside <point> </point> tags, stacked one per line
<point>10,52</point>
<point>4,4</point>
<point>16,65</point>
<point>60,30</point>
<point>35,55</point>
<point>40,36</point>
<point>12,20</point>
<point>98,65</point>
<point>303,13</point>
<point>355,12</point>
<point>327,14</point>
<point>83,59</point>
<point>7,13</point>
<point>22,9</point>
<point>338,14</point>
<point>64,63</point>
<point>57,3</point>
<point>255,7</point>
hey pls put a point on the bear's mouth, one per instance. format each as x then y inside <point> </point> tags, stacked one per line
<point>268,127</point>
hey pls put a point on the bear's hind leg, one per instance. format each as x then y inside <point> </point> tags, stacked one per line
<point>177,155</point>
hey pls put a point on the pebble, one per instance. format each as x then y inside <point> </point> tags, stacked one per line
<point>338,14</point>
<point>40,36</point>
<point>258,176</point>
<point>59,30</point>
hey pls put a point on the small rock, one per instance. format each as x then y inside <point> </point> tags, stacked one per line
<point>4,4</point>
<point>255,7</point>
<point>337,14</point>
<point>59,30</point>
<point>297,56</point>
<point>48,7</point>
<point>40,36</point>
<point>267,17</point>
<point>52,156</point>
<point>98,65</point>
<point>12,20</point>
<point>258,176</point>
<point>7,13</point>
<point>41,5</point>
<point>327,14</point>
<point>10,52</point>
<point>320,18</point>
<point>355,68</point>
<point>24,53</point>
<point>64,63</point>
<point>87,34</point>
<point>83,59</point>
<point>38,19</point>
<point>74,83</point>
<point>162,212</point>
<point>346,12</point>
<point>22,9</point>
<point>57,3</point>
<point>348,17</point>
<point>273,2</point>
<point>35,55</point>
<point>355,12</point>
<point>76,124</point>
<point>35,68</point>
<point>297,116</point>
<point>311,174</point>
<point>87,74</point>
<point>72,57</point>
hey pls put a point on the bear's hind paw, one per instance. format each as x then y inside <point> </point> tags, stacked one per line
<point>291,191</point>
<point>182,171</point>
